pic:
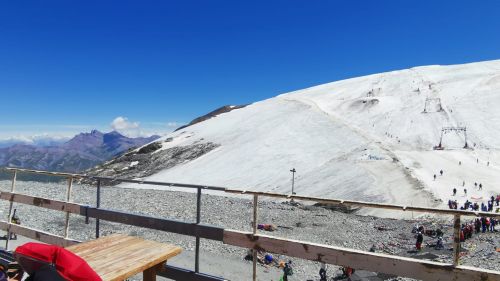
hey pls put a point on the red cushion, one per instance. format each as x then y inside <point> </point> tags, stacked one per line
<point>69,265</point>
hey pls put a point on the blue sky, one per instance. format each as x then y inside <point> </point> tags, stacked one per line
<point>70,66</point>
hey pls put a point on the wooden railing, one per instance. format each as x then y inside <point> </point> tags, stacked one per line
<point>401,266</point>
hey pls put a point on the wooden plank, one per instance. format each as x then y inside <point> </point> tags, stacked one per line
<point>456,240</point>
<point>169,225</point>
<point>57,174</point>
<point>43,202</point>
<point>39,235</point>
<point>150,273</point>
<point>118,256</point>
<point>277,195</point>
<point>400,266</point>
<point>366,204</point>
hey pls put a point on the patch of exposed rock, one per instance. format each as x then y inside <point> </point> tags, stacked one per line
<point>218,111</point>
<point>150,159</point>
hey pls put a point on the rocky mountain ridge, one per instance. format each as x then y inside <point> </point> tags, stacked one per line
<point>83,151</point>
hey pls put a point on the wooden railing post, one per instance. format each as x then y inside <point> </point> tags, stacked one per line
<point>9,219</point>
<point>254,231</point>
<point>68,197</point>
<point>456,240</point>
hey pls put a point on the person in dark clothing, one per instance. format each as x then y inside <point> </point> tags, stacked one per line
<point>439,243</point>
<point>480,186</point>
<point>420,239</point>
<point>454,191</point>
<point>434,176</point>
<point>287,270</point>
<point>322,272</point>
<point>477,225</point>
<point>441,172</point>
<point>347,272</point>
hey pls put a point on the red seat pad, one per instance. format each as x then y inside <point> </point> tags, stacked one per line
<point>70,266</point>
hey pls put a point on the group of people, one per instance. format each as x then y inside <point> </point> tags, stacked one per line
<point>347,272</point>
<point>440,172</point>
<point>478,225</point>
<point>479,187</point>
<point>420,231</point>
<point>267,259</point>
<point>488,207</point>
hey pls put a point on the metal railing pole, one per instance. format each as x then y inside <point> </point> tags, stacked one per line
<point>9,219</point>
<point>68,197</point>
<point>198,220</point>
<point>456,240</point>
<point>98,204</point>
<point>254,231</point>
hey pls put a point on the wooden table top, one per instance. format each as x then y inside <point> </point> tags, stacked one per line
<point>118,256</point>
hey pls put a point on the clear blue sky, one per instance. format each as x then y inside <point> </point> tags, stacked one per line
<point>72,65</point>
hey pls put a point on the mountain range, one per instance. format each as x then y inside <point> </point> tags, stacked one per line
<point>83,151</point>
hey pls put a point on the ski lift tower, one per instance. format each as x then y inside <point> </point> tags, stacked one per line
<point>429,101</point>
<point>451,129</point>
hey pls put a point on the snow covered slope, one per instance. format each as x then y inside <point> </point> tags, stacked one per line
<point>365,138</point>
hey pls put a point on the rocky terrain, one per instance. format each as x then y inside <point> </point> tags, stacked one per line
<point>302,222</point>
<point>150,159</point>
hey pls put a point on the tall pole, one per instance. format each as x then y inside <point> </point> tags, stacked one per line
<point>293,179</point>
<point>12,188</point>
<point>68,197</point>
<point>98,205</point>
<point>198,221</point>
<point>254,231</point>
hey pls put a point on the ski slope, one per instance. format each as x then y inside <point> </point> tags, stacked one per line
<point>364,138</point>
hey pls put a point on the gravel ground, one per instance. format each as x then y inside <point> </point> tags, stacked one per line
<point>301,222</point>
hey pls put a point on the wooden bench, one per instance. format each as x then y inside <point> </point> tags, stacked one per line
<point>118,256</point>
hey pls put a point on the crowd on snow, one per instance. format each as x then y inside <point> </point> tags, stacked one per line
<point>469,206</point>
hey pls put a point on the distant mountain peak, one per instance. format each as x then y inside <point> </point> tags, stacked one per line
<point>81,152</point>
<point>114,132</point>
